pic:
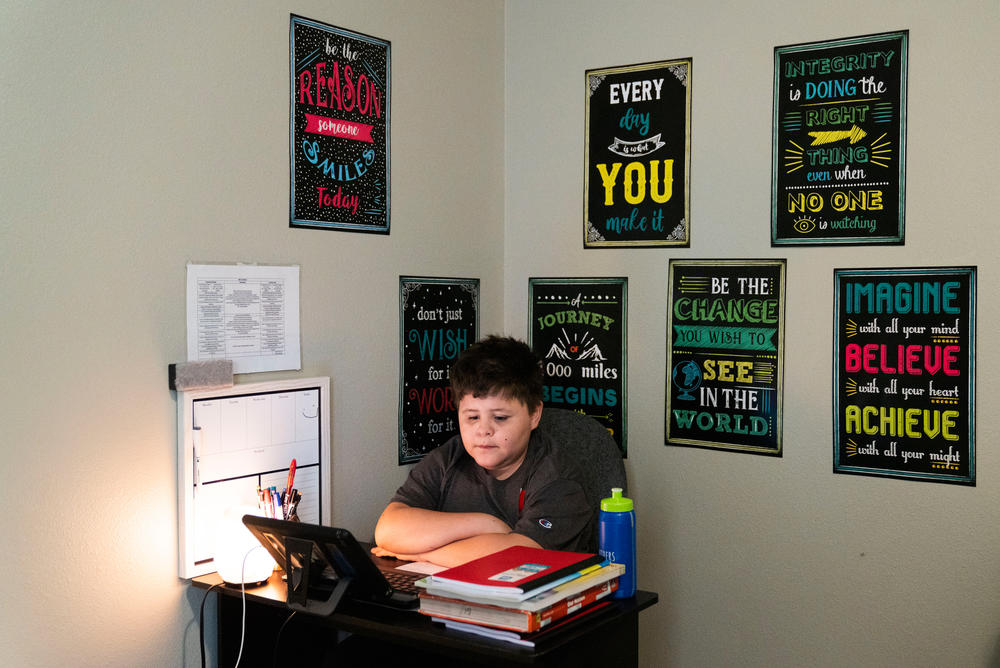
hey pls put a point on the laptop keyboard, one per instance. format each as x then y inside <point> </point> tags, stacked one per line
<point>403,581</point>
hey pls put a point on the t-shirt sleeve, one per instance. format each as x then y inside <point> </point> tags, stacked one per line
<point>557,516</point>
<point>422,488</point>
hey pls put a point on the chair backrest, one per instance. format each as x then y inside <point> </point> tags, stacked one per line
<point>600,459</point>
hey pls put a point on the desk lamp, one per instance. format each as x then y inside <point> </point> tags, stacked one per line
<point>239,557</point>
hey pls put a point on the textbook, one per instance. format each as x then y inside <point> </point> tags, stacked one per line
<point>539,601</point>
<point>528,639</point>
<point>511,619</point>
<point>516,573</point>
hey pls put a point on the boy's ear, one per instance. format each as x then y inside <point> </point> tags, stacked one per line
<point>536,415</point>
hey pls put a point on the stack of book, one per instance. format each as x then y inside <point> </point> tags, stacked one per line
<point>519,594</point>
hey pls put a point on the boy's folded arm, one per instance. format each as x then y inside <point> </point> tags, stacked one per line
<point>403,529</point>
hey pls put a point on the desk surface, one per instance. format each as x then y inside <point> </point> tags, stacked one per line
<point>410,629</point>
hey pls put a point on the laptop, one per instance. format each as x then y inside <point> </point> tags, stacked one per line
<point>326,564</point>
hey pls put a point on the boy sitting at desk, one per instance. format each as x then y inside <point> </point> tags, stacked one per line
<point>499,482</point>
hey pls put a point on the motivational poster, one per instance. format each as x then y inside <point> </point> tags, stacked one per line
<point>839,151</point>
<point>638,155</point>
<point>578,327</point>
<point>725,345</point>
<point>439,318</point>
<point>904,373</point>
<point>339,128</point>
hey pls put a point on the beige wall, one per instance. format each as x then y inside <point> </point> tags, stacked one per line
<point>762,561</point>
<point>137,137</point>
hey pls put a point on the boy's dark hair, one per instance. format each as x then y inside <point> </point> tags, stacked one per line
<point>498,365</point>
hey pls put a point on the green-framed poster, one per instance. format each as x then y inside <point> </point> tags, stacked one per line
<point>725,347</point>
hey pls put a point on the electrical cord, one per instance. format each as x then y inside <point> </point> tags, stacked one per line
<point>243,596</point>
<point>277,640</point>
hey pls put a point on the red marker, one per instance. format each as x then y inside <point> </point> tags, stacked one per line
<point>291,477</point>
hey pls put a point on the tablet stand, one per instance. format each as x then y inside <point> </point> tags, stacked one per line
<point>300,551</point>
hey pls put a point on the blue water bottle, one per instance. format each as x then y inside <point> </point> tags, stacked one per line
<point>618,538</point>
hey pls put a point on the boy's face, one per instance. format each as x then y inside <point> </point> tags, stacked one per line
<point>495,431</point>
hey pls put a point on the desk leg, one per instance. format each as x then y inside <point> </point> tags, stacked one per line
<point>614,645</point>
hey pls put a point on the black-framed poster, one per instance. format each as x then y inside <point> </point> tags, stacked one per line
<point>578,326</point>
<point>438,319</point>
<point>725,349</point>
<point>839,141</point>
<point>904,373</point>
<point>638,155</point>
<point>338,128</point>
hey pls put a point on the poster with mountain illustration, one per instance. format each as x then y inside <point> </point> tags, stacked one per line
<point>578,327</point>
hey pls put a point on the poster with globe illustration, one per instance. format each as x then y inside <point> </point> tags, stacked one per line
<point>577,327</point>
<point>725,345</point>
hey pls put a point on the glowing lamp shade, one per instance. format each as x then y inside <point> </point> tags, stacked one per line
<point>239,557</point>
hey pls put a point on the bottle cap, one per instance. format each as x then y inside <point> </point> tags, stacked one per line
<point>617,503</point>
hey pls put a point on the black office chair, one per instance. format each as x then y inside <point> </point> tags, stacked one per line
<point>599,457</point>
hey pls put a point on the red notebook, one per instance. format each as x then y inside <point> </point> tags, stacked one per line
<point>516,572</point>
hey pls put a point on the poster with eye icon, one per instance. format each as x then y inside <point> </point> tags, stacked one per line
<point>438,318</point>
<point>839,141</point>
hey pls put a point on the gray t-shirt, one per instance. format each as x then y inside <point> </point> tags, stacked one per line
<point>553,512</point>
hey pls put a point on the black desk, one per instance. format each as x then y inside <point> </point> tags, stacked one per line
<point>381,636</point>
